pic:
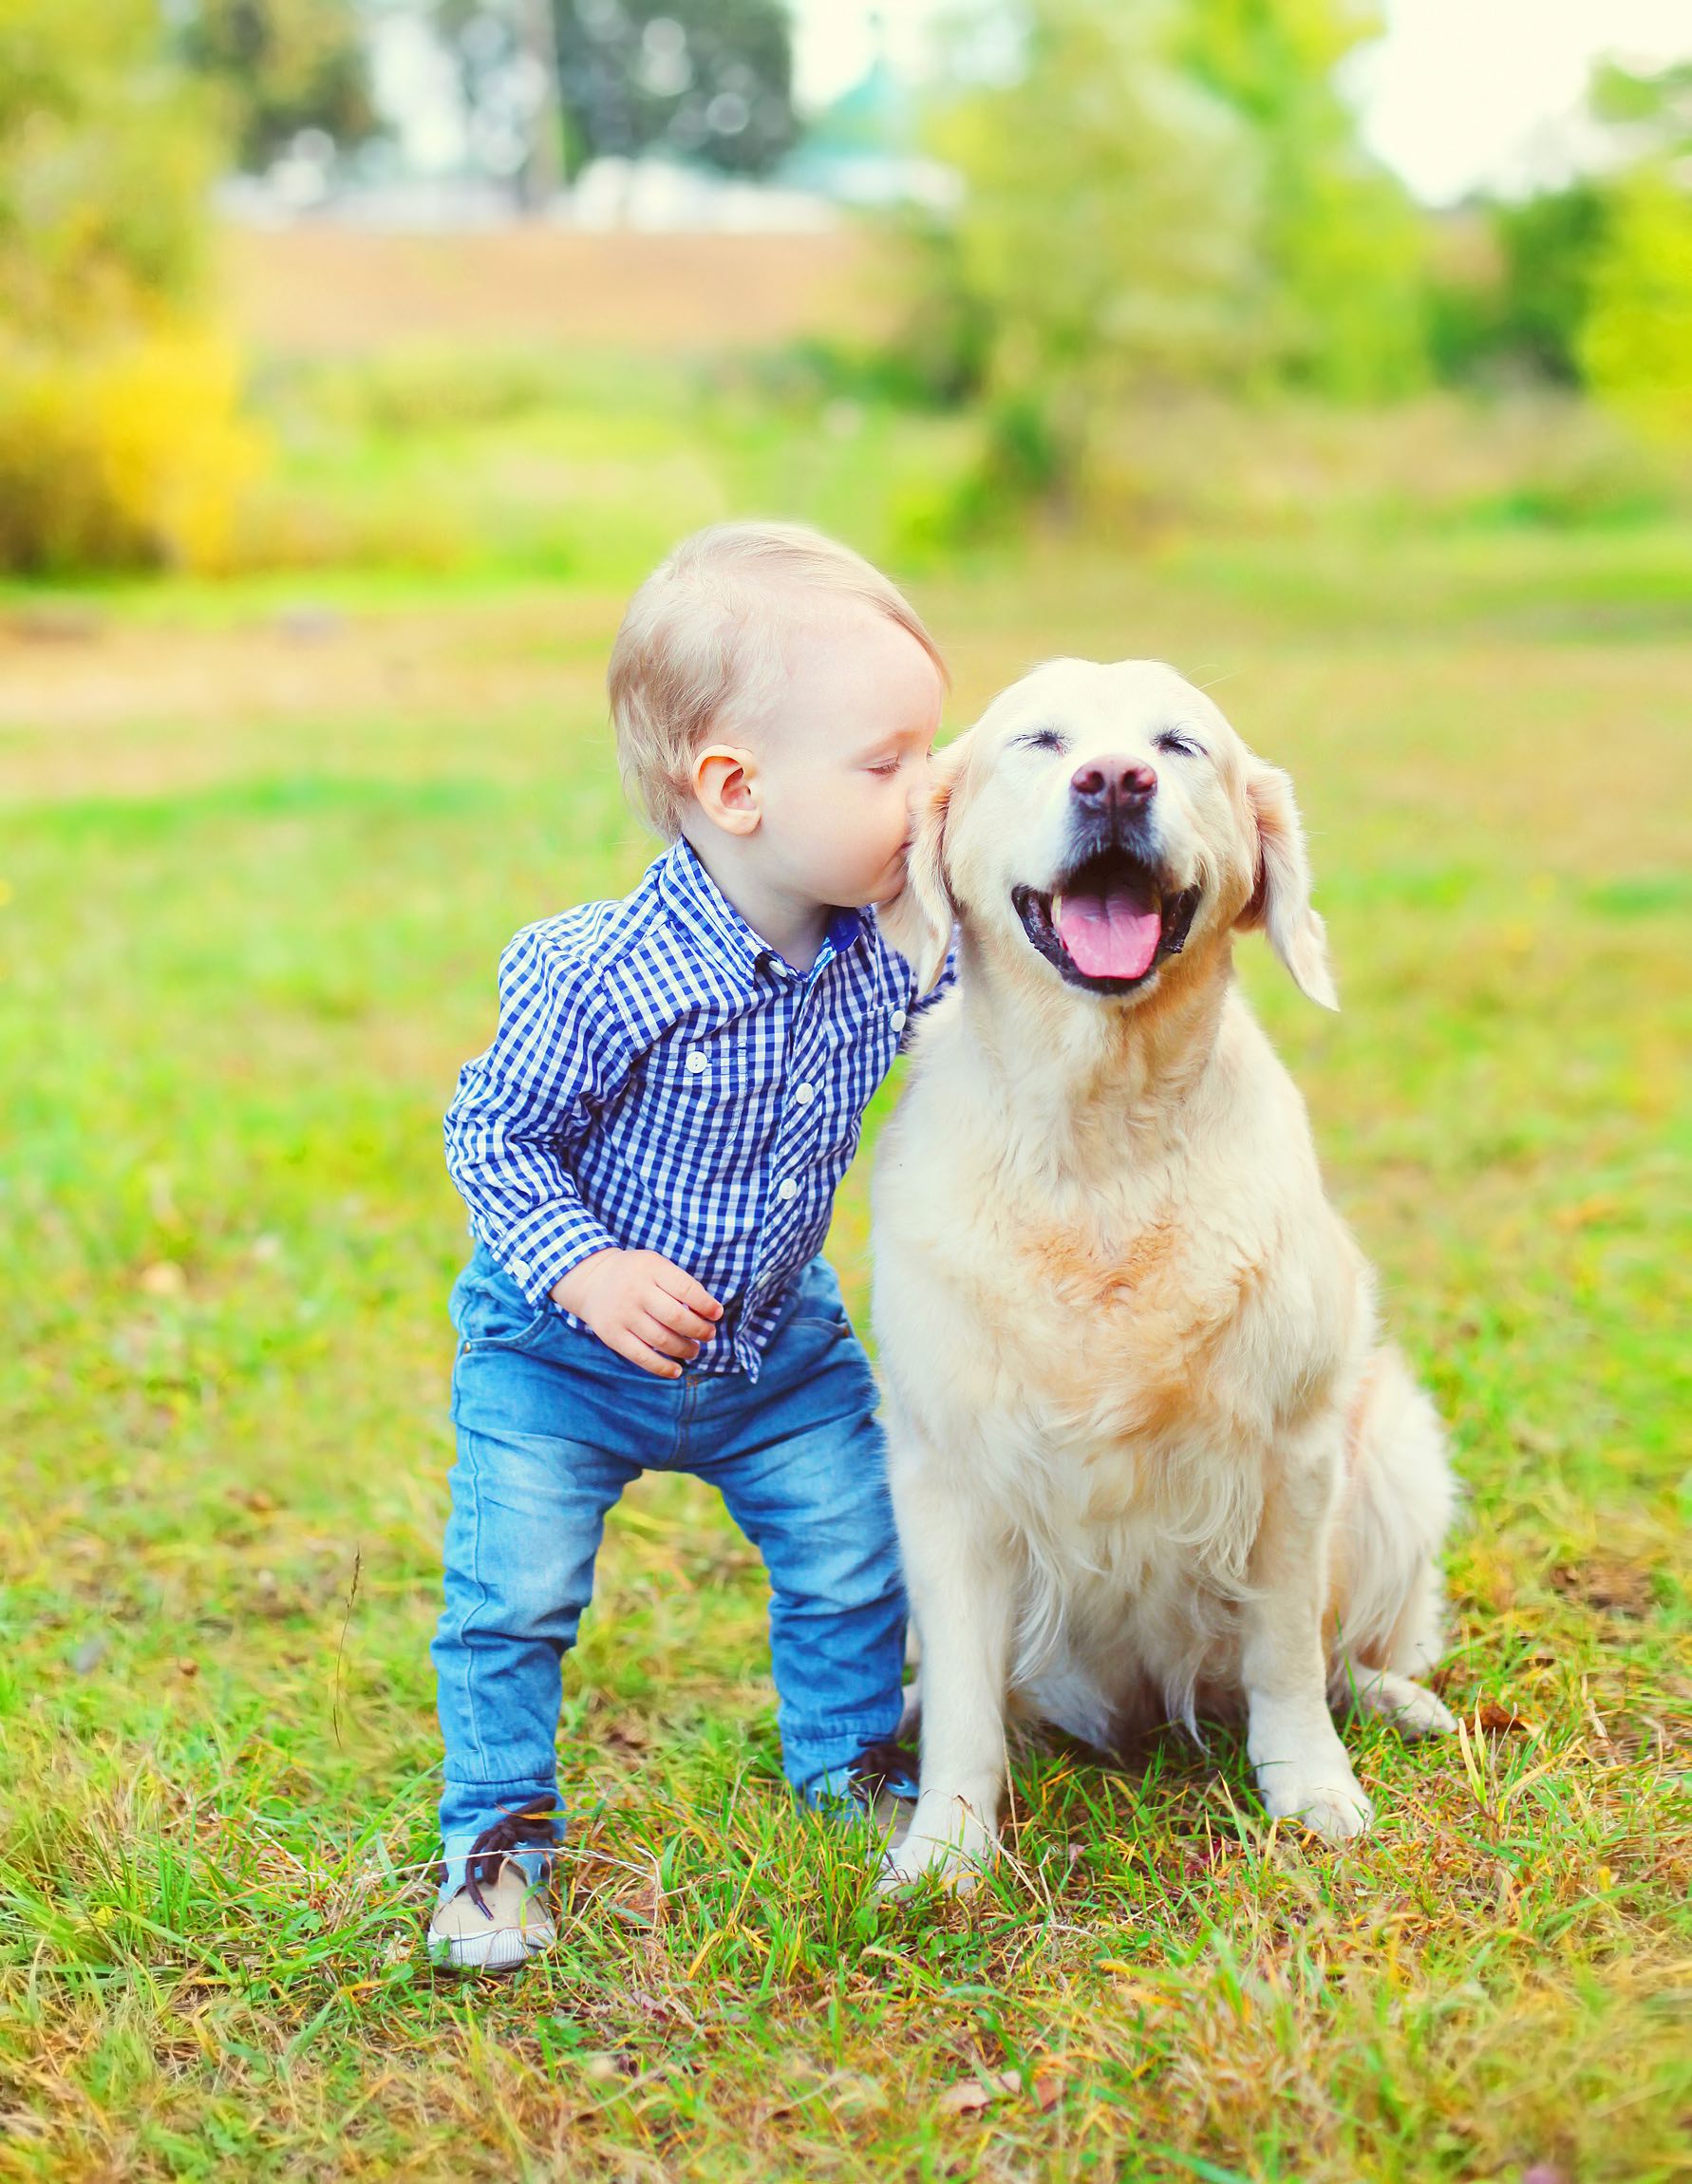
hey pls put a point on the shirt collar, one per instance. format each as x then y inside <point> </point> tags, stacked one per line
<point>693,897</point>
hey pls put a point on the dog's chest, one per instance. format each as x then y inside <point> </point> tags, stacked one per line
<point>1126,1334</point>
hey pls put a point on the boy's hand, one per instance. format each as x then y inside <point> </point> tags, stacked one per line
<point>641,1305</point>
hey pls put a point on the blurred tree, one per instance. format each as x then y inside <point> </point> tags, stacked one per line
<point>1551,247</point>
<point>1651,109</point>
<point>281,67</point>
<point>106,155</point>
<point>1590,284</point>
<point>1581,287</point>
<point>506,57</point>
<point>1106,243</point>
<point>711,79</point>
<point>1341,244</point>
<point>1167,194</point>
<point>1635,344</point>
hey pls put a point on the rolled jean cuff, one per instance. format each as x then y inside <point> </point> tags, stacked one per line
<point>809,1764</point>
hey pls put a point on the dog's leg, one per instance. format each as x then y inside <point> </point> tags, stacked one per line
<point>1303,1773</point>
<point>1398,1509</point>
<point>961,1587</point>
<point>1408,1706</point>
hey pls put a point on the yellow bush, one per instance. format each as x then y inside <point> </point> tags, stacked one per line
<point>132,455</point>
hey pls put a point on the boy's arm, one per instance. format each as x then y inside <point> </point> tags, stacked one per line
<point>518,1108</point>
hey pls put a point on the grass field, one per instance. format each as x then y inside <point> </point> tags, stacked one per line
<point>256,876</point>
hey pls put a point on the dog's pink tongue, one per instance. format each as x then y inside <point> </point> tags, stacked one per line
<point>1110,936</point>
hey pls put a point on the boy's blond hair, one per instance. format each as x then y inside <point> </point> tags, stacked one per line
<point>699,651</point>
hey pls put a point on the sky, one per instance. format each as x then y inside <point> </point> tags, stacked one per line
<point>1460,95</point>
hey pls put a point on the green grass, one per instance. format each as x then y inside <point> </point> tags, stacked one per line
<point>242,953</point>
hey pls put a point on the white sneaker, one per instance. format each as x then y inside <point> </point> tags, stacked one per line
<point>516,1925</point>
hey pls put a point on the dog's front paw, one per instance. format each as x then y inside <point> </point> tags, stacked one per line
<point>1328,1799</point>
<point>946,1841</point>
<point>1412,1710</point>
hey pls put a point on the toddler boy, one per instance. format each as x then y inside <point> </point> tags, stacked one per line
<point>649,1151</point>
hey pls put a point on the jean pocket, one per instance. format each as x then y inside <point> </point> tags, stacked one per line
<point>495,1314</point>
<point>823,1323</point>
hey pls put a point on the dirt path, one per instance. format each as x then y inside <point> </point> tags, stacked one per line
<point>336,291</point>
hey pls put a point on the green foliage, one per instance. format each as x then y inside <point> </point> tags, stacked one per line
<point>1552,249</point>
<point>105,156</point>
<point>1635,347</point>
<point>1636,343</point>
<point>711,79</point>
<point>1651,109</point>
<point>282,67</point>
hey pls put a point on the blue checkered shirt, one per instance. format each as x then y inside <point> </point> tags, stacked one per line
<point>661,1081</point>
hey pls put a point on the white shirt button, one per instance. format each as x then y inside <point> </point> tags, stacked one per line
<point>804,1094</point>
<point>898,1020</point>
<point>787,1190</point>
<point>696,1062</point>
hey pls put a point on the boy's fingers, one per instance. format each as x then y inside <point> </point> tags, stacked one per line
<point>670,1313</point>
<point>679,1285</point>
<point>653,1332</point>
<point>629,1344</point>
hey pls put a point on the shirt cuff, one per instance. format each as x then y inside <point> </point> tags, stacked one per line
<point>539,1251</point>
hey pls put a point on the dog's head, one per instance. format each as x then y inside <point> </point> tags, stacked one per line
<point>1099,821</point>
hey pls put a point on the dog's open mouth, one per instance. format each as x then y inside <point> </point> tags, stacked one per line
<point>1109,924</point>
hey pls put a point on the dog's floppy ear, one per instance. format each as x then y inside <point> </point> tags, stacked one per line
<point>1281,901</point>
<point>919,919</point>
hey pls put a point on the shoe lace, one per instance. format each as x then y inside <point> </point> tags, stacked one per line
<point>529,1829</point>
<point>886,1764</point>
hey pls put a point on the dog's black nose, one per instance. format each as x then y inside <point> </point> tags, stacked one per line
<point>1113,785</point>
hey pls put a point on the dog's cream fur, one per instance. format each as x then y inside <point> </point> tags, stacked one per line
<point>1150,1458</point>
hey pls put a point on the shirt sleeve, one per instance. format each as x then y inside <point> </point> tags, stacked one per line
<point>521,1108</point>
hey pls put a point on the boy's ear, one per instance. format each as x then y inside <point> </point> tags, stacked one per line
<point>725,787</point>
<point>919,919</point>
<point>1281,901</point>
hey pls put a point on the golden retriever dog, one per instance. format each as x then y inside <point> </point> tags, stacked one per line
<point>1149,1455</point>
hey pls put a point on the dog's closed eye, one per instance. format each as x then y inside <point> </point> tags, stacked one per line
<point>1179,740</point>
<point>1040,739</point>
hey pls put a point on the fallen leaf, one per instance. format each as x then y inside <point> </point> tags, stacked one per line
<point>974,2094</point>
<point>1621,1587</point>
<point>1501,1721</point>
<point>185,1667</point>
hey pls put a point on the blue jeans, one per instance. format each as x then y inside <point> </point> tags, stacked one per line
<point>552,1426</point>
